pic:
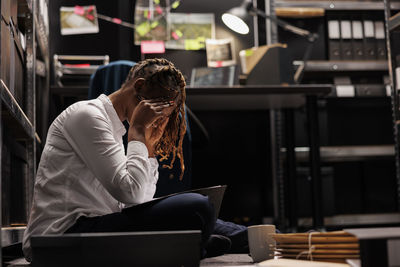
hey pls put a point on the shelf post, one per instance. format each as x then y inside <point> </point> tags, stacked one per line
<point>394,97</point>
<point>30,85</point>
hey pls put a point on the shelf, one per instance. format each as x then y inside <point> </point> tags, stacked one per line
<point>13,115</point>
<point>337,5</point>
<point>346,153</point>
<point>344,65</point>
<point>11,235</point>
<point>394,22</point>
<point>355,219</point>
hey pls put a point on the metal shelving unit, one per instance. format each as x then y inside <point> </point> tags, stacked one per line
<point>329,69</point>
<point>21,120</point>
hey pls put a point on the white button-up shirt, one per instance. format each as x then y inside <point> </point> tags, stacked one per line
<point>83,170</point>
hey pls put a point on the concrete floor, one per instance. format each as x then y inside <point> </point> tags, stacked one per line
<point>228,260</point>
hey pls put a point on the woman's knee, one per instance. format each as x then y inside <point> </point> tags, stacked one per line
<point>202,205</point>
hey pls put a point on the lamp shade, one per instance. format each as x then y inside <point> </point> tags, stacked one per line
<point>237,18</point>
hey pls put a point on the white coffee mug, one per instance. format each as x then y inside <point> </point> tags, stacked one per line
<point>261,242</point>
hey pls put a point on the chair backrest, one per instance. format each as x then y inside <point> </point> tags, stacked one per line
<point>108,79</point>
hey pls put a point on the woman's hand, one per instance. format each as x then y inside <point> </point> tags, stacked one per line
<point>149,113</point>
<point>154,134</point>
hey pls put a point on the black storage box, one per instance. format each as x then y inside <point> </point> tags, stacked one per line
<point>164,248</point>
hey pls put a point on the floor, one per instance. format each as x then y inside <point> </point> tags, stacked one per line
<point>229,260</point>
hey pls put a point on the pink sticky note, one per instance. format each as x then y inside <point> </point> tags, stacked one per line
<point>152,47</point>
<point>218,64</point>
<point>90,9</point>
<point>158,9</point>
<point>90,17</point>
<point>175,36</point>
<point>149,14</point>
<point>117,20</point>
<point>79,10</point>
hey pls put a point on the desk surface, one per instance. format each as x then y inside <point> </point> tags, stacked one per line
<point>235,97</point>
<point>252,97</point>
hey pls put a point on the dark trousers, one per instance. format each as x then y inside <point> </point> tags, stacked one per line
<point>188,211</point>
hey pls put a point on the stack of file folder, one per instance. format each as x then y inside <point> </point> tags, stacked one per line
<point>335,246</point>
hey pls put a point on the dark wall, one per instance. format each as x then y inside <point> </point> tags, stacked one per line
<point>112,39</point>
<point>186,60</point>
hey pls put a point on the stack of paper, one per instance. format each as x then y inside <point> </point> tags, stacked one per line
<point>336,246</point>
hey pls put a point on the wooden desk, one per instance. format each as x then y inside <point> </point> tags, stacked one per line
<point>272,97</point>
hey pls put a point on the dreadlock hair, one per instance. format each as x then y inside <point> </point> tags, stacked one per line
<point>159,72</point>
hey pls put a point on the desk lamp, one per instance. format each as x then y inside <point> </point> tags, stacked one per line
<point>237,18</point>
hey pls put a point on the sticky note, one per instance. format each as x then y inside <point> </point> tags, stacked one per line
<point>79,10</point>
<point>158,9</point>
<point>248,52</point>
<point>152,47</point>
<point>179,33</point>
<point>157,2</point>
<point>117,20</point>
<point>175,35</point>
<point>193,44</point>
<point>154,24</point>
<point>175,4</point>
<point>90,9</point>
<point>143,28</point>
<point>90,17</point>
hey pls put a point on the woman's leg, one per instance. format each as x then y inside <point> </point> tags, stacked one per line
<point>188,211</point>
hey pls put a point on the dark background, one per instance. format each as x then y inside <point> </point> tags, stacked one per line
<point>238,151</point>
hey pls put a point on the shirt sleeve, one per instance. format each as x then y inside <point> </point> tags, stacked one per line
<point>130,179</point>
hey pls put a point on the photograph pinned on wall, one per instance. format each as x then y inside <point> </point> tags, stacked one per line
<point>189,31</point>
<point>78,20</point>
<point>220,52</point>
<point>151,20</point>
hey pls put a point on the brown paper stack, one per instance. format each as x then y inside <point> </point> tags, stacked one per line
<point>336,246</point>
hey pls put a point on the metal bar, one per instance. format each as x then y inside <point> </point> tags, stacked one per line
<point>291,185</point>
<point>343,65</point>
<point>77,57</point>
<point>394,97</point>
<point>30,84</point>
<point>12,106</point>
<point>338,5</point>
<point>277,174</point>
<point>1,168</point>
<point>315,171</point>
<point>346,153</point>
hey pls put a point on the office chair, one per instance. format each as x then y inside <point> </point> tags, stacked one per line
<point>109,78</point>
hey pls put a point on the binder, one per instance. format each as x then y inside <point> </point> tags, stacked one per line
<point>370,90</point>
<point>369,40</point>
<point>346,39</point>
<point>358,36</point>
<point>344,86</point>
<point>334,40</point>
<point>380,40</point>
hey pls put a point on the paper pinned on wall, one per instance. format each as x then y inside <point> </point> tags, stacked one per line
<point>78,20</point>
<point>151,21</point>
<point>189,31</point>
<point>220,52</point>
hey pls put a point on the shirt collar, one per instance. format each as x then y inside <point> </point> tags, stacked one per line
<point>117,125</point>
